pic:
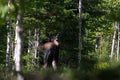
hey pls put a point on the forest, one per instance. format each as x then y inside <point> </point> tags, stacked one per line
<point>84,34</point>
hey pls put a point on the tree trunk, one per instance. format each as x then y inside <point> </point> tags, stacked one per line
<point>79,35</point>
<point>118,41</point>
<point>18,41</point>
<point>9,49</point>
<point>37,45</point>
<point>36,38</point>
<point>18,46</point>
<point>113,41</point>
<point>29,42</point>
<point>8,54</point>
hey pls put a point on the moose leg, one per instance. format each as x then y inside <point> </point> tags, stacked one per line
<point>54,64</point>
<point>46,56</point>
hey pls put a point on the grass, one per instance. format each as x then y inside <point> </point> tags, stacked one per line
<point>64,73</point>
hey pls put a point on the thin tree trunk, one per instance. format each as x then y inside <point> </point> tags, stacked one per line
<point>37,45</point>
<point>113,41</point>
<point>29,42</point>
<point>8,54</point>
<point>118,42</point>
<point>18,46</point>
<point>100,45</point>
<point>35,50</point>
<point>18,43</point>
<point>79,35</point>
<point>9,49</point>
<point>36,38</point>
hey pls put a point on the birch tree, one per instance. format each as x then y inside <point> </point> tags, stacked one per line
<point>18,45</point>
<point>118,43</point>
<point>10,34</point>
<point>18,42</point>
<point>29,41</point>
<point>9,46</point>
<point>36,44</point>
<point>79,35</point>
<point>116,32</point>
<point>113,40</point>
<point>113,12</point>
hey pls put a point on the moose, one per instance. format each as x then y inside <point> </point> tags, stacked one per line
<point>50,49</point>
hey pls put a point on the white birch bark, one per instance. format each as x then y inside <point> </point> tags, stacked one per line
<point>36,38</point>
<point>8,54</point>
<point>100,45</point>
<point>118,42</point>
<point>9,49</point>
<point>18,47</point>
<point>113,41</point>
<point>29,42</point>
<point>79,35</point>
<point>35,47</point>
<point>18,42</point>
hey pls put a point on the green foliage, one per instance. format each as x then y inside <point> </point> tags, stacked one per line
<point>2,67</point>
<point>2,22</point>
<point>112,7</point>
<point>62,17</point>
<point>102,65</point>
<point>28,65</point>
<point>3,10</point>
<point>4,75</point>
<point>2,44</point>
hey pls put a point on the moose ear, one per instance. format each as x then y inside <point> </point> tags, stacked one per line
<point>57,35</point>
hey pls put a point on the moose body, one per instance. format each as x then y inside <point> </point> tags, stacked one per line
<point>51,52</point>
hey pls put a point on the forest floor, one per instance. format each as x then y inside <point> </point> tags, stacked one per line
<point>66,74</point>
